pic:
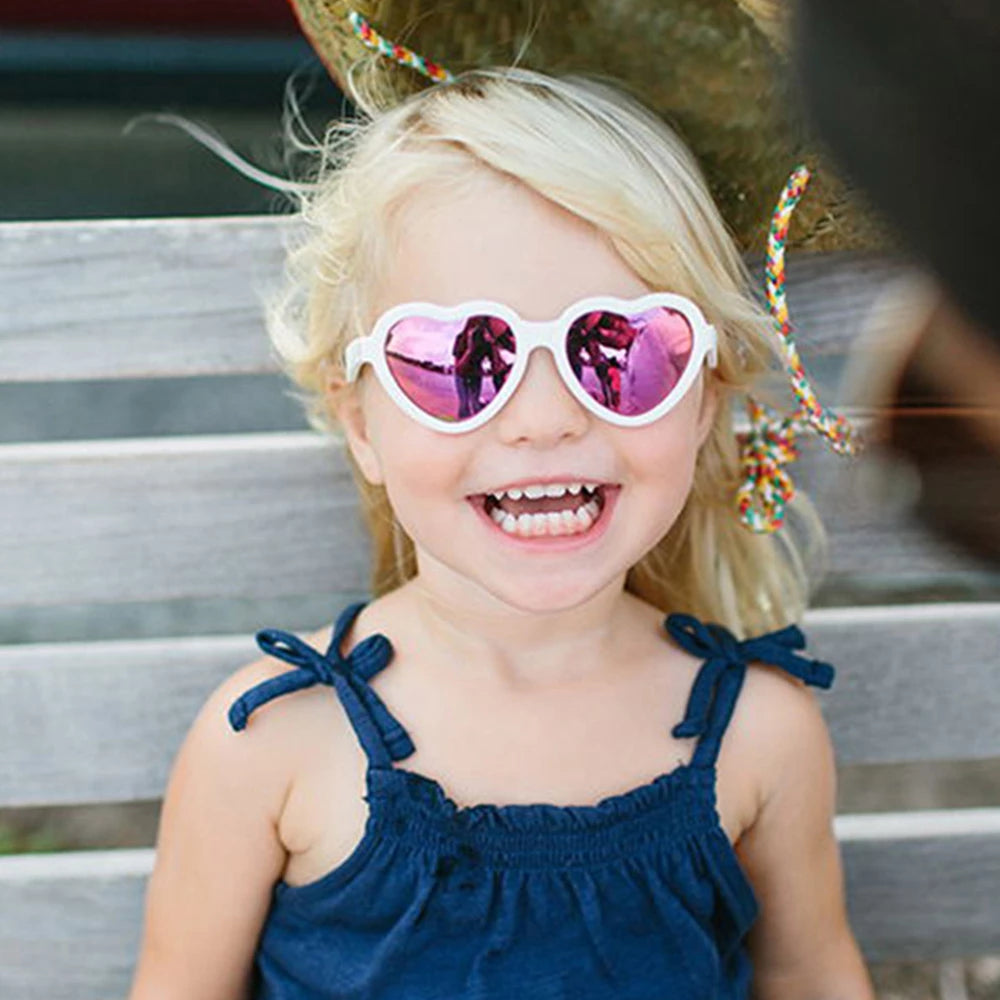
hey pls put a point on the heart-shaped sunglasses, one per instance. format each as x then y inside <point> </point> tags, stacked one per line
<point>451,368</point>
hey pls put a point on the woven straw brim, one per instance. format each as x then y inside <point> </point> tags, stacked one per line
<point>706,66</point>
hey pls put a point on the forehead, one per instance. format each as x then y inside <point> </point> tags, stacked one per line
<point>491,237</point>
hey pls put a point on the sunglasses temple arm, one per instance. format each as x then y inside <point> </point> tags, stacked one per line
<point>712,352</point>
<point>355,356</point>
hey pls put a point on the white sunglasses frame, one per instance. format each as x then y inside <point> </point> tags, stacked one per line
<point>530,335</point>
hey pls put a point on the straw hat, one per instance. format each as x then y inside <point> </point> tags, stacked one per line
<point>714,69</point>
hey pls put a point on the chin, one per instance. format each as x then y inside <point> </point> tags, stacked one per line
<point>546,596</point>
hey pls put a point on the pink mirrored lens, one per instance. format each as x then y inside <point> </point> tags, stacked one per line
<point>630,364</point>
<point>451,369</point>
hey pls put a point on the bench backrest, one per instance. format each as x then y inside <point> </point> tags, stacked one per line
<point>267,523</point>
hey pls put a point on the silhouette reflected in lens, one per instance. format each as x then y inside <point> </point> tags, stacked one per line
<point>484,348</point>
<point>629,364</point>
<point>450,369</point>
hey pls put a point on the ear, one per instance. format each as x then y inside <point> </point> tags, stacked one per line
<point>348,404</point>
<point>709,407</point>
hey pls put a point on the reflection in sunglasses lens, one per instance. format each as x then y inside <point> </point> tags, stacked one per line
<point>451,369</point>
<point>629,364</point>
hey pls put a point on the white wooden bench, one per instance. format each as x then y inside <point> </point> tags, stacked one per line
<point>269,519</point>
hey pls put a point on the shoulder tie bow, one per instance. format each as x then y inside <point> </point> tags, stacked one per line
<point>349,675</point>
<point>722,652</point>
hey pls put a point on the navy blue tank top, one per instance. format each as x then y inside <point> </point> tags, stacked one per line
<point>640,896</point>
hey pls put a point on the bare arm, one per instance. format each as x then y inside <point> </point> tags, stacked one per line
<point>802,947</point>
<point>218,856</point>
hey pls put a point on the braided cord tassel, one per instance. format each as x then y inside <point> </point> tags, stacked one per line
<point>398,53</point>
<point>767,487</point>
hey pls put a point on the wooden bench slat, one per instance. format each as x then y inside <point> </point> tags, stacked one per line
<point>110,716</point>
<point>161,297</point>
<point>260,515</point>
<point>70,924</point>
<point>913,684</point>
<point>923,885</point>
<point>268,515</point>
<point>932,893</point>
<point>183,296</point>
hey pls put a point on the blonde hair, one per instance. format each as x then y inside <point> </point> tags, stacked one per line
<point>601,156</point>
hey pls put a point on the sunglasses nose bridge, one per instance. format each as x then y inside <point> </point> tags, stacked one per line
<point>540,406</point>
<point>547,335</point>
<point>532,335</point>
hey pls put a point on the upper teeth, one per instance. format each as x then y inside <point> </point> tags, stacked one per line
<point>536,491</point>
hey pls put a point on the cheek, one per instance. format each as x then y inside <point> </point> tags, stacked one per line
<point>418,466</point>
<point>411,466</point>
<point>674,440</point>
<point>663,456</point>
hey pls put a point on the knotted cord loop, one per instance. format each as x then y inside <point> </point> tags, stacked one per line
<point>767,487</point>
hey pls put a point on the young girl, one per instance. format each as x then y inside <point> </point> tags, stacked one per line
<point>506,776</point>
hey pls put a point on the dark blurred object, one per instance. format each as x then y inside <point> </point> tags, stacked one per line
<point>176,53</point>
<point>241,16</point>
<point>946,421</point>
<point>73,75</point>
<point>906,94</point>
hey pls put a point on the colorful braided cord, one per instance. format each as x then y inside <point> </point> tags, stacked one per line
<point>398,53</point>
<point>766,489</point>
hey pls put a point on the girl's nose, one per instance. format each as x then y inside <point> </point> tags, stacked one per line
<point>542,412</point>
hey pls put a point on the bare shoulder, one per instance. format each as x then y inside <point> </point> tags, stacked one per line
<point>778,706</point>
<point>220,846</point>
<point>277,739</point>
<point>777,740</point>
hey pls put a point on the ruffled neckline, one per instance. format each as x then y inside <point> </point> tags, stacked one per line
<point>652,797</point>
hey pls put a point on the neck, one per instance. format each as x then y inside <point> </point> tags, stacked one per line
<point>471,630</point>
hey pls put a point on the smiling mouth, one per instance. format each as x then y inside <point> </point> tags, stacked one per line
<point>552,509</point>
